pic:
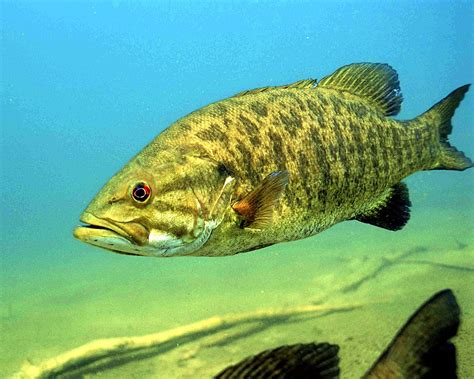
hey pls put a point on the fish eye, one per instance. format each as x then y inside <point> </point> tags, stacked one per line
<point>141,192</point>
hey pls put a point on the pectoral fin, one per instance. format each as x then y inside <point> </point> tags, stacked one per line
<point>391,211</point>
<point>256,208</point>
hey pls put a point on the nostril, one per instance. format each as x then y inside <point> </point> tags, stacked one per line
<point>112,200</point>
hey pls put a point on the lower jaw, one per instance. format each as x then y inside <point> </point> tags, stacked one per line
<point>109,240</point>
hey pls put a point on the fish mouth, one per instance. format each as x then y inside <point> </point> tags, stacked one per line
<point>107,235</point>
<point>132,238</point>
<point>93,223</point>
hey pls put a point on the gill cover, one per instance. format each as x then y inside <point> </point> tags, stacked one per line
<point>203,227</point>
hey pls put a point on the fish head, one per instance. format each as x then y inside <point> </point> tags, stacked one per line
<point>158,208</point>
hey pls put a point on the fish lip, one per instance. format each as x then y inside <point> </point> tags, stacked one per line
<point>81,232</point>
<point>92,222</point>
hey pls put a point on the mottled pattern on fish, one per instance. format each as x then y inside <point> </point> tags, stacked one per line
<point>341,155</point>
<point>344,155</point>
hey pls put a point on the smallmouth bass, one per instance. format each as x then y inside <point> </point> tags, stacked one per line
<point>274,164</point>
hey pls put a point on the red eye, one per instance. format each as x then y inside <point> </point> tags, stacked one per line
<point>141,192</point>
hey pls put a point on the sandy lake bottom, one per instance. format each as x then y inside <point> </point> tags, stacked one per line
<point>87,294</point>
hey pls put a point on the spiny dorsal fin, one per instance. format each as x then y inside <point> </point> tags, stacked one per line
<point>300,361</point>
<point>421,349</point>
<point>390,212</point>
<point>375,82</point>
<point>256,208</point>
<point>301,84</point>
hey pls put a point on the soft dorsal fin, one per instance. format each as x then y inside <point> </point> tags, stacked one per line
<point>301,84</point>
<point>375,82</point>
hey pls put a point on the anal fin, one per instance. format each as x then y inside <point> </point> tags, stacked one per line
<point>391,212</point>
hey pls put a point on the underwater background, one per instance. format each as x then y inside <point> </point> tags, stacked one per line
<point>85,85</point>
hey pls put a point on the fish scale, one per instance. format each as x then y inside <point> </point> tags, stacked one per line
<point>334,134</point>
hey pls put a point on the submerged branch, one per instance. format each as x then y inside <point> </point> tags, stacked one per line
<point>440,265</point>
<point>384,265</point>
<point>403,258</point>
<point>106,353</point>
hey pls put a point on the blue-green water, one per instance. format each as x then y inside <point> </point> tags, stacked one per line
<point>85,85</point>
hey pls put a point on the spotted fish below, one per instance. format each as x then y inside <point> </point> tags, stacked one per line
<point>274,164</point>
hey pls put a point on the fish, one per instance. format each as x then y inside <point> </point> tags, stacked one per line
<point>420,349</point>
<point>272,165</point>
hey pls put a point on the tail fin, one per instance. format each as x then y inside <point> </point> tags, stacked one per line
<point>440,114</point>
<point>421,349</point>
